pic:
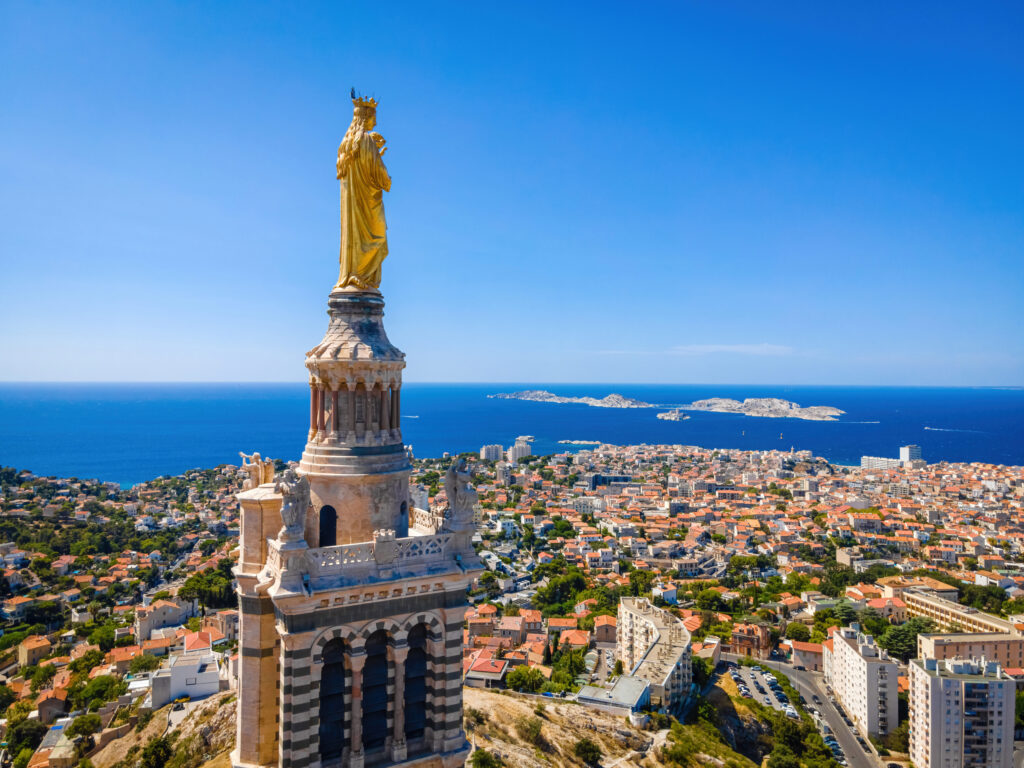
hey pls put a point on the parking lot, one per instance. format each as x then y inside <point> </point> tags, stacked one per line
<point>759,685</point>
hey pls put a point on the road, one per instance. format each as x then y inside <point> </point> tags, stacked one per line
<point>809,684</point>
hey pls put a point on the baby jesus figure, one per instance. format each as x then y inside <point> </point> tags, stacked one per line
<point>379,141</point>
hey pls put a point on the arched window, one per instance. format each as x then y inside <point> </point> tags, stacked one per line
<point>333,738</point>
<point>328,526</point>
<point>375,691</point>
<point>416,683</point>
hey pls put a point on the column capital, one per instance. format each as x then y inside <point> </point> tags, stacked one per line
<point>357,660</point>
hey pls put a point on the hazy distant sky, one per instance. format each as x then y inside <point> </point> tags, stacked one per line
<point>667,192</point>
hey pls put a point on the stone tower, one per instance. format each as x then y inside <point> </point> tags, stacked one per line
<point>351,599</point>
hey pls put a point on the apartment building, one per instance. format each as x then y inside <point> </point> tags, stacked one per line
<point>653,645</point>
<point>522,447</point>
<point>878,462</point>
<point>1007,650</point>
<point>492,452</point>
<point>950,615</point>
<point>863,679</point>
<point>961,714</point>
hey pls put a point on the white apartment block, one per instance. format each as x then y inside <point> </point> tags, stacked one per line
<point>878,462</point>
<point>653,645</point>
<point>863,679</point>
<point>492,452</point>
<point>909,453</point>
<point>961,714</point>
<point>522,447</point>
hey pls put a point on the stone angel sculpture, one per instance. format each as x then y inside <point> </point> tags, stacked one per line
<point>260,470</point>
<point>462,498</point>
<point>294,489</point>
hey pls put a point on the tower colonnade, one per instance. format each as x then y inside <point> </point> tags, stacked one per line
<point>355,411</point>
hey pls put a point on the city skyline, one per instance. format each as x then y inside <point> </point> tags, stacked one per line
<point>734,196</point>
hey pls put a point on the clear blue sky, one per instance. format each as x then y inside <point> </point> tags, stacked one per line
<point>664,192</point>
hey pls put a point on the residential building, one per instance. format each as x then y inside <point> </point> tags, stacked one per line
<point>32,650</point>
<point>909,453</point>
<point>1006,649</point>
<point>604,629</point>
<point>961,714</point>
<point>863,679</point>
<point>492,452</point>
<point>950,615</point>
<point>522,447</point>
<point>878,462</point>
<point>163,613</point>
<point>752,640</point>
<point>655,646</point>
<point>192,674</point>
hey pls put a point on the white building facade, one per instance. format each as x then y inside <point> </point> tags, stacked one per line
<point>863,679</point>
<point>961,714</point>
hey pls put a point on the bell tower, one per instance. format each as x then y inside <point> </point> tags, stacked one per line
<point>351,599</point>
<point>355,460</point>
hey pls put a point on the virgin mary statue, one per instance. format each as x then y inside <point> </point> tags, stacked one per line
<point>364,237</point>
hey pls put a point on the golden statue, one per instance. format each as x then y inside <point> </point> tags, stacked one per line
<point>364,236</point>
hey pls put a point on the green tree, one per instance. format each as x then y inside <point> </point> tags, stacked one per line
<point>25,735</point>
<point>709,600</point>
<point>21,761</point>
<point>157,753</point>
<point>797,631</point>
<point>901,641</point>
<point>143,663</point>
<point>85,725</point>
<point>103,637</point>
<point>7,697</point>
<point>525,679</point>
<point>587,751</point>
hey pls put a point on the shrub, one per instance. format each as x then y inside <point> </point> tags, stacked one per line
<point>484,759</point>
<point>529,730</point>
<point>587,751</point>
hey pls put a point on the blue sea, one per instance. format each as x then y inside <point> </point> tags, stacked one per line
<point>128,433</point>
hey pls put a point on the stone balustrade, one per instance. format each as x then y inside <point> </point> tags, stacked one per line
<point>335,561</point>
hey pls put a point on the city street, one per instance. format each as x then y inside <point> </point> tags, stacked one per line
<point>809,685</point>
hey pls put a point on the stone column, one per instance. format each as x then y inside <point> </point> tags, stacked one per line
<point>314,407</point>
<point>398,747</point>
<point>350,420</point>
<point>321,407</point>
<point>396,422</point>
<point>335,416</point>
<point>357,660</point>
<point>436,694</point>
<point>360,411</point>
<point>385,409</point>
<point>451,681</point>
<point>257,736</point>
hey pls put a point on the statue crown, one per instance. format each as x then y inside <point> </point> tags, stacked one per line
<point>362,101</point>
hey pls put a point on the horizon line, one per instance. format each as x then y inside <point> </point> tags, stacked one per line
<point>184,382</point>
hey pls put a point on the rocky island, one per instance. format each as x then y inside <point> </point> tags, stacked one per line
<point>674,415</point>
<point>765,407</point>
<point>541,396</point>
